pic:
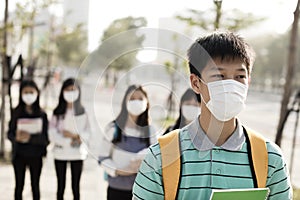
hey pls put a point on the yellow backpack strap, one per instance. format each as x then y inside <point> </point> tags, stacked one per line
<point>170,156</point>
<point>259,155</point>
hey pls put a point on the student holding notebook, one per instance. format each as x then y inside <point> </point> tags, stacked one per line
<point>124,143</point>
<point>28,132</point>
<point>69,132</point>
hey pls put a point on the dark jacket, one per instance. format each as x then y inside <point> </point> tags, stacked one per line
<point>37,144</point>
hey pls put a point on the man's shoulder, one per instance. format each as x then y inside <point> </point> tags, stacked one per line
<point>183,140</point>
<point>273,148</point>
<point>154,149</point>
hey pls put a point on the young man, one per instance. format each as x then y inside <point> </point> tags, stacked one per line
<point>214,148</point>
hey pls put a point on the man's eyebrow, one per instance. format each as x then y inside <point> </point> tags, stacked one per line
<point>242,69</point>
<point>217,68</point>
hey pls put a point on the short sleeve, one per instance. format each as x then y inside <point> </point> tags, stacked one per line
<point>278,180</point>
<point>148,183</point>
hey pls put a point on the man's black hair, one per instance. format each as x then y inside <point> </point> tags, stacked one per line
<point>219,45</point>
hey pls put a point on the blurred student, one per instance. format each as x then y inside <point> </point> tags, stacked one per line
<point>28,132</point>
<point>69,132</point>
<point>125,142</point>
<point>189,109</point>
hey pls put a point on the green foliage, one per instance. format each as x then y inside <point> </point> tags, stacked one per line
<point>27,10</point>
<point>71,45</point>
<point>24,18</point>
<point>117,47</point>
<point>123,24</point>
<point>215,18</point>
<point>169,67</point>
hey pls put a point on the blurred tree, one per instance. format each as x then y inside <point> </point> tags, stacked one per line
<point>71,45</point>
<point>47,45</point>
<point>13,31</point>
<point>4,76</point>
<point>172,67</point>
<point>215,18</point>
<point>26,13</point>
<point>118,48</point>
<point>291,64</point>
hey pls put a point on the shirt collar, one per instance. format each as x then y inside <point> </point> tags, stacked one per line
<point>203,143</point>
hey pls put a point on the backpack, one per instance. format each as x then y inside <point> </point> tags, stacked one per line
<point>171,164</point>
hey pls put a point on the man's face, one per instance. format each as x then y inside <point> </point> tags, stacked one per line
<point>219,70</point>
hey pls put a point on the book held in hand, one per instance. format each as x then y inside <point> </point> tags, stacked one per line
<point>240,194</point>
<point>74,124</point>
<point>30,125</point>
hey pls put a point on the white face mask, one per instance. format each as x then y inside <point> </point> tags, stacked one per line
<point>29,99</point>
<point>71,96</point>
<point>190,112</point>
<point>136,107</point>
<point>227,98</point>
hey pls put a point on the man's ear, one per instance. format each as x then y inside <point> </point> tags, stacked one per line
<point>195,84</point>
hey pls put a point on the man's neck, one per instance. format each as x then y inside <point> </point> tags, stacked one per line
<point>217,131</point>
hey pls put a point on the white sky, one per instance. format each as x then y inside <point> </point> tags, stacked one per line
<point>102,13</point>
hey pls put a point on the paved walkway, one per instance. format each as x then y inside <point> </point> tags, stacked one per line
<point>92,184</point>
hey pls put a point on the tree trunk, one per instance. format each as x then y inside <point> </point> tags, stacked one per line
<point>4,81</point>
<point>291,63</point>
<point>218,4</point>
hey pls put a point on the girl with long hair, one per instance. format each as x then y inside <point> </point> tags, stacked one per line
<point>69,132</point>
<point>28,132</point>
<point>189,109</point>
<point>126,139</point>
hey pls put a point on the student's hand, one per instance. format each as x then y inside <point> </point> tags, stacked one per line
<point>76,142</point>
<point>22,136</point>
<point>124,172</point>
<point>135,164</point>
<point>68,134</point>
<point>131,169</point>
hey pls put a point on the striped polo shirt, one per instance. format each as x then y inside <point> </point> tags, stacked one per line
<point>205,166</point>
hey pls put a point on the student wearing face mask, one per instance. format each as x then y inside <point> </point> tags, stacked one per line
<point>189,109</point>
<point>28,132</point>
<point>217,151</point>
<point>124,143</point>
<point>69,132</point>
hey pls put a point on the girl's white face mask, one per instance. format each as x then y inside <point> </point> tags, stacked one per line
<point>136,107</point>
<point>71,96</point>
<point>29,98</point>
<point>190,112</point>
<point>227,98</point>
